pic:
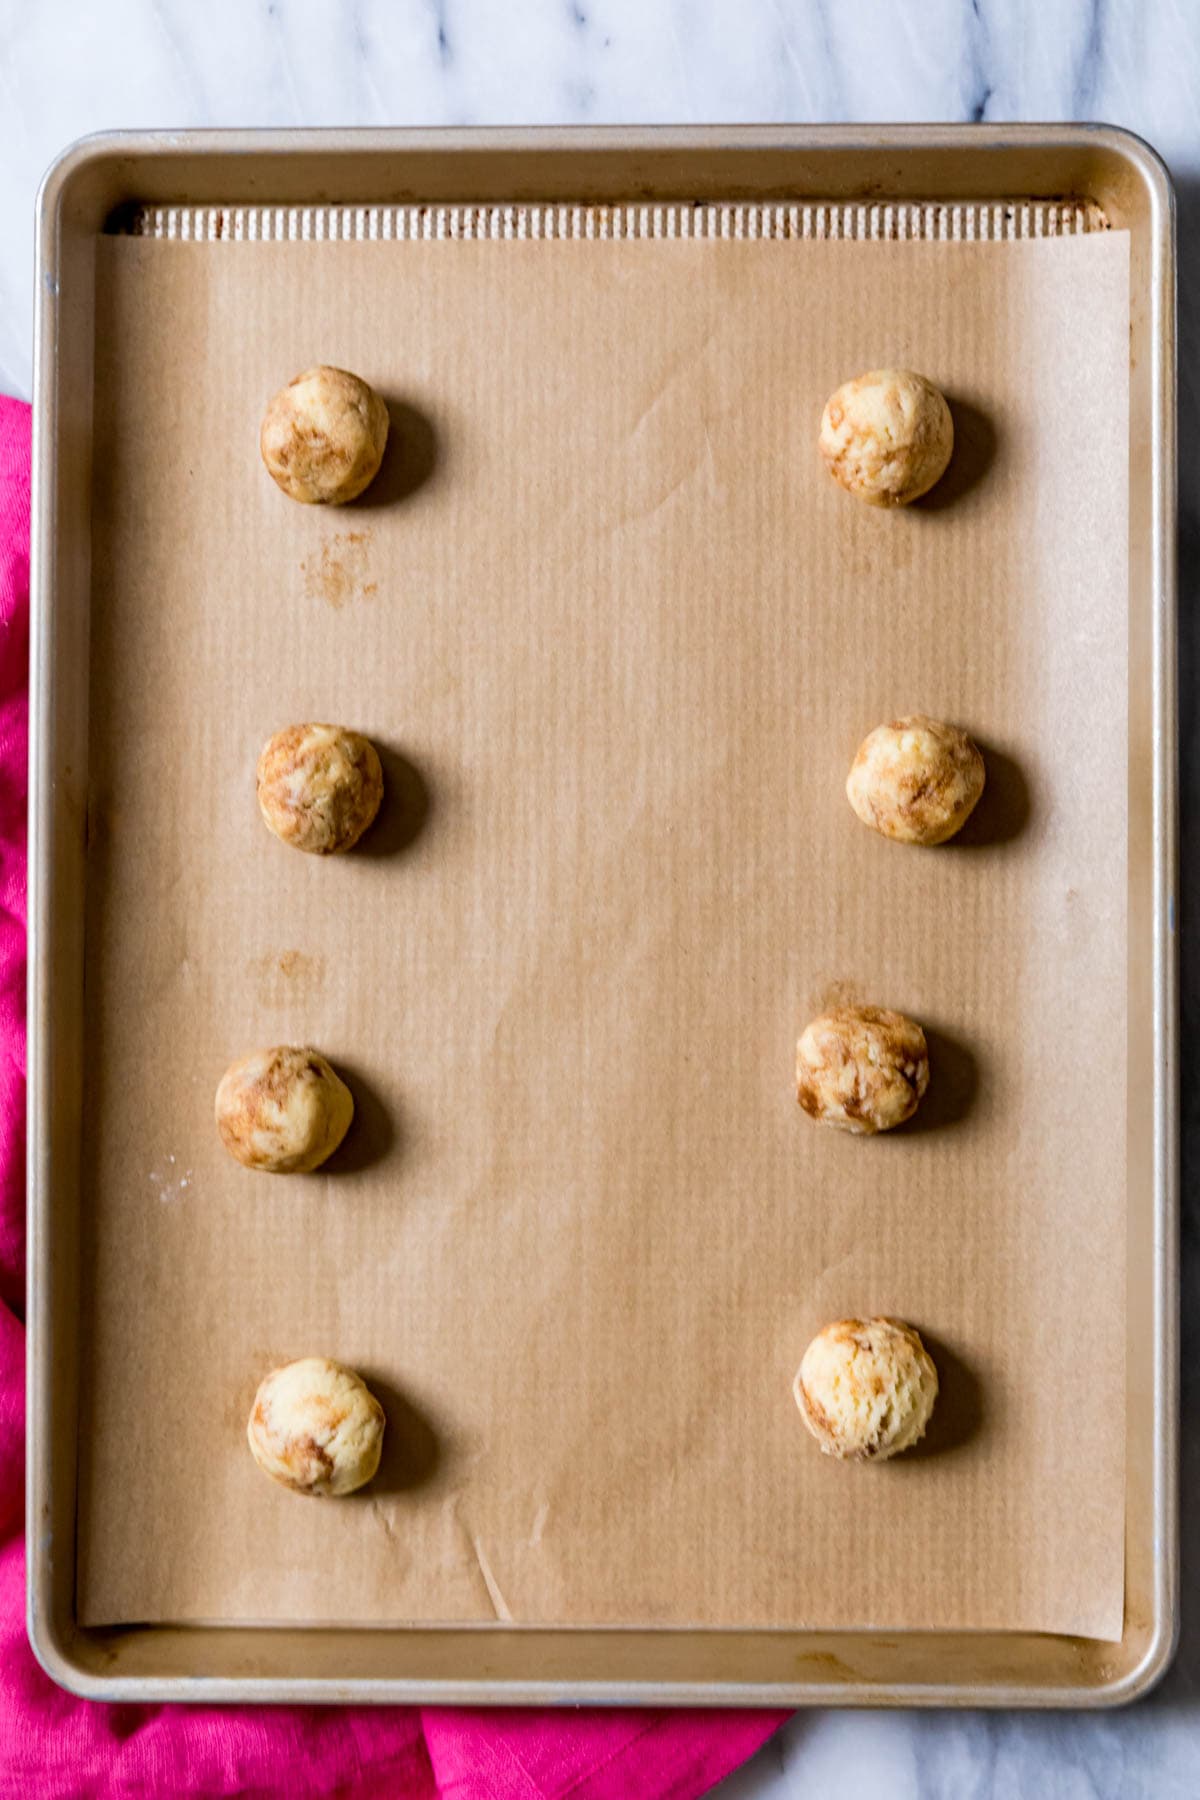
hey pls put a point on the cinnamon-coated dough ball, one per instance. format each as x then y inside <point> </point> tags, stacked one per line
<point>916,780</point>
<point>323,436</point>
<point>284,1110</point>
<point>887,436</point>
<point>319,786</point>
<point>861,1068</point>
<point>866,1388</point>
<point>316,1427</point>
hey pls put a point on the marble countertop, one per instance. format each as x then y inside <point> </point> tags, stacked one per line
<point>67,69</point>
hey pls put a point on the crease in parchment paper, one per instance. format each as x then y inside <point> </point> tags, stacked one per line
<point>499,1603</point>
<point>381,1512</point>
<point>539,1524</point>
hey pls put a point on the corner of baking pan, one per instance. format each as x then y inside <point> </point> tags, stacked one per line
<point>51,1637</point>
<point>1146,1675</point>
<point>82,156</point>
<point>1136,150</point>
<point>53,1654</point>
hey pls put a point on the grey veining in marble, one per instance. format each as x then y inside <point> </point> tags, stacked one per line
<point>72,66</point>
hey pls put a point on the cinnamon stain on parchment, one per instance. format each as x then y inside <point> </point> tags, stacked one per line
<point>341,572</point>
<point>286,975</point>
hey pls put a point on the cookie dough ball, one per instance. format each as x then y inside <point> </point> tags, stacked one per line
<point>887,436</point>
<point>316,1427</point>
<point>866,1388</point>
<point>319,786</point>
<point>861,1068</point>
<point>916,780</point>
<point>323,436</point>
<point>283,1110</point>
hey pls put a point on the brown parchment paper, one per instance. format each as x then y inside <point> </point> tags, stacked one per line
<point>618,635</point>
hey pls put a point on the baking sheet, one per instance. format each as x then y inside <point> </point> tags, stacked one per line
<point>621,636</point>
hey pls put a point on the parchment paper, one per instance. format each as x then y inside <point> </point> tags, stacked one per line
<point>619,636</point>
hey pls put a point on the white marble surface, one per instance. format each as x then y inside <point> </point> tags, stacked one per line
<point>73,66</point>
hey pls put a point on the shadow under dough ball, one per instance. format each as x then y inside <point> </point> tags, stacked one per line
<point>887,436</point>
<point>319,787</point>
<point>866,1388</point>
<point>323,436</point>
<point>861,1069</point>
<point>284,1110</point>
<point>916,780</point>
<point>316,1427</point>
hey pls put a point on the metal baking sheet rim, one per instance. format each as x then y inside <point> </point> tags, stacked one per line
<point>913,162</point>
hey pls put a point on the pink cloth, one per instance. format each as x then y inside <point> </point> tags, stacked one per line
<point>52,1744</point>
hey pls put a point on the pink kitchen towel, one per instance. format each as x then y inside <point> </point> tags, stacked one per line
<point>54,1745</point>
